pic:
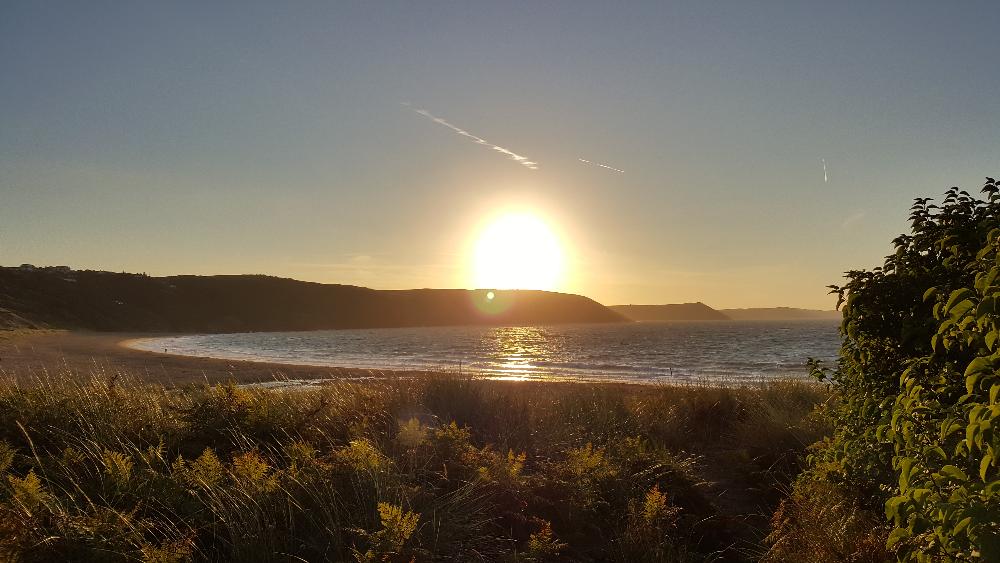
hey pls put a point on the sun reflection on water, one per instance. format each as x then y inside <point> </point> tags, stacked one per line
<point>648,352</point>
<point>516,351</point>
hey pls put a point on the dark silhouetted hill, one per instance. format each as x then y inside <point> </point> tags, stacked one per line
<point>106,301</point>
<point>780,314</point>
<point>672,312</point>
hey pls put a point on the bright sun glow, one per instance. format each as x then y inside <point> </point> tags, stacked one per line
<point>517,251</point>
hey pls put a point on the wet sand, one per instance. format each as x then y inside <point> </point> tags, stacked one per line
<point>27,353</point>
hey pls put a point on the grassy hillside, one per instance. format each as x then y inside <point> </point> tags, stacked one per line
<point>107,468</point>
<point>131,302</point>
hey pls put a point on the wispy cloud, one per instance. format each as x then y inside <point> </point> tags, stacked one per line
<point>612,168</point>
<point>522,160</point>
<point>853,219</point>
<point>826,177</point>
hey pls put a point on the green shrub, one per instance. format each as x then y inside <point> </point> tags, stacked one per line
<point>917,388</point>
<point>543,545</point>
<point>387,544</point>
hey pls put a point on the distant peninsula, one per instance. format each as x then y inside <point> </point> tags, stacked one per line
<point>702,312</point>
<point>671,312</point>
<point>60,297</point>
<point>780,314</point>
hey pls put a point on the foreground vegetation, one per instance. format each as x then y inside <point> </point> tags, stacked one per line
<point>104,467</point>
<point>913,468</point>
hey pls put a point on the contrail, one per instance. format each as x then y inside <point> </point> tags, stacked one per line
<point>522,160</point>
<point>826,179</point>
<point>585,161</point>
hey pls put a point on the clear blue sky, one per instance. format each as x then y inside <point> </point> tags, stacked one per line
<point>182,137</point>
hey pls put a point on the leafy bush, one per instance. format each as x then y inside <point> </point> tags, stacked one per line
<point>388,543</point>
<point>917,386</point>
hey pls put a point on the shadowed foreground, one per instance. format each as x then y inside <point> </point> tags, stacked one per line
<point>108,467</point>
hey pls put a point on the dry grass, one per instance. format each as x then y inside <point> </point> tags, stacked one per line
<point>101,466</point>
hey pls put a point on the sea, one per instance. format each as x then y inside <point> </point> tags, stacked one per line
<point>642,352</point>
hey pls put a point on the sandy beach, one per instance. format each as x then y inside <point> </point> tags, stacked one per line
<point>24,353</point>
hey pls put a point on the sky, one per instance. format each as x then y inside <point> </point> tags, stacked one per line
<point>752,151</point>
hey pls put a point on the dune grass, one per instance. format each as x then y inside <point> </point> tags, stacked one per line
<point>105,467</point>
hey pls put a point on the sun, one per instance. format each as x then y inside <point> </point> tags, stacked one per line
<point>517,251</point>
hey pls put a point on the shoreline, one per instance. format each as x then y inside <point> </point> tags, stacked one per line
<point>34,352</point>
<point>29,353</point>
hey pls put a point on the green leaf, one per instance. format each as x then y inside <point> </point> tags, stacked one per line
<point>953,472</point>
<point>991,277</point>
<point>975,413</point>
<point>936,450</point>
<point>905,467</point>
<point>897,535</point>
<point>949,427</point>
<point>957,296</point>
<point>920,495</point>
<point>958,496</point>
<point>892,507</point>
<point>970,382</point>
<point>962,524</point>
<point>984,466</point>
<point>960,309</point>
<point>978,365</point>
<point>986,307</point>
<point>971,433</point>
<point>931,292</point>
<point>936,342</point>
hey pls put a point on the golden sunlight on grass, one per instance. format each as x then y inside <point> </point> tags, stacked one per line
<point>517,251</point>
